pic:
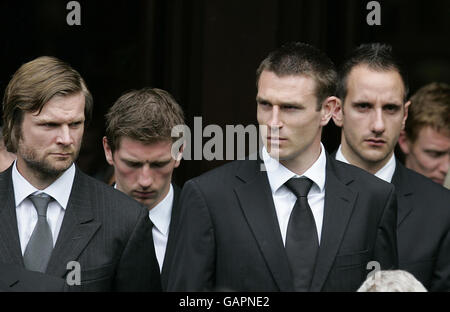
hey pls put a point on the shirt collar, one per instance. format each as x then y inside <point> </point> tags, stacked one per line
<point>384,173</point>
<point>60,189</point>
<point>278,174</point>
<point>161,213</point>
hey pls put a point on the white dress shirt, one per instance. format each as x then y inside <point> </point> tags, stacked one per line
<point>284,199</point>
<point>160,216</point>
<point>26,212</point>
<point>384,173</point>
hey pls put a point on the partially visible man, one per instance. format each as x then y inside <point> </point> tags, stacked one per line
<point>308,223</point>
<point>426,138</point>
<point>373,90</point>
<point>53,214</point>
<point>138,144</point>
<point>6,158</point>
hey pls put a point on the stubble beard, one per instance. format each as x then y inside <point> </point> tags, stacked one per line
<point>42,168</point>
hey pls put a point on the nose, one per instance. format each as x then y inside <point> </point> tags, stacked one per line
<point>445,164</point>
<point>145,177</point>
<point>377,122</point>
<point>275,121</point>
<point>64,136</point>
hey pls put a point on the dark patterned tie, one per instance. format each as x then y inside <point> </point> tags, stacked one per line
<point>39,248</point>
<point>301,238</point>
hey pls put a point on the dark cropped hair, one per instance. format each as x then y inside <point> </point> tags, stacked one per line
<point>146,115</point>
<point>297,58</point>
<point>32,86</point>
<point>378,57</point>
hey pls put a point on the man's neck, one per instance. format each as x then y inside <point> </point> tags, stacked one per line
<point>355,160</point>
<point>6,159</point>
<point>302,163</point>
<point>38,179</point>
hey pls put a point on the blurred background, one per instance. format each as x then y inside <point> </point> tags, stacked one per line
<point>205,52</point>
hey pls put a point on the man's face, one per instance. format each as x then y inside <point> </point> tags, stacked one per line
<point>50,141</point>
<point>287,107</point>
<point>142,171</point>
<point>372,116</point>
<point>429,154</point>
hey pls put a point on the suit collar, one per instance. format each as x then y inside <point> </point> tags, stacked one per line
<point>170,248</point>
<point>78,225</point>
<point>404,190</point>
<point>10,251</point>
<point>256,202</point>
<point>339,203</point>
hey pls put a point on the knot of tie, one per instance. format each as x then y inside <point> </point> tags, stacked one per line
<point>40,202</point>
<point>299,186</point>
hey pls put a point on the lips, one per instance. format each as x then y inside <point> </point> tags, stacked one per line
<point>275,139</point>
<point>144,195</point>
<point>375,142</point>
<point>62,154</point>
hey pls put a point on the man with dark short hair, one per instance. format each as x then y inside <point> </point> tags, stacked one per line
<point>54,219</point>
<point>138,144</point>
<point>373,89</point>
<point>306,222</point>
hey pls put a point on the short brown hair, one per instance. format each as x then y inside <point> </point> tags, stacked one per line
<point>430,106</point>
<point>146,115</point>
<point>297,58</point>
<point>32,86</point>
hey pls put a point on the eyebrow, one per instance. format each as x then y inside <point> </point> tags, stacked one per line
<point>261,100</point>
<point>142,162</point>
<point>57,121</point>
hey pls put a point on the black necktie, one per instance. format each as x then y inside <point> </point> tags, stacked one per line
<point>301,238</point>
<point>40,247</point>
<point>156,273</point>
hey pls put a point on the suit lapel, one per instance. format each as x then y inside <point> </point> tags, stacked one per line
<point>171,239</point>
<point>338,207</point>
<point>77,227</point>
<point>404,192</point>
<point>256,201</point>
<point>10,251</point>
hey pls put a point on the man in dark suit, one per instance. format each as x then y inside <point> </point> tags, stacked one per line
<point>138,144</point>
<point>306,222</point>
<point>51,213</point>
<point>373,90</point>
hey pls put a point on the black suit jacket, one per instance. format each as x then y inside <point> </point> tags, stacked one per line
<point>16,278</point>
<point>423,230</point>
<point>103,229</point>
<point>229,237</point>
<point>170,248</point>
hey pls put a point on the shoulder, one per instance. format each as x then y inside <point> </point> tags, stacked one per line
<point>226,172</point>
<point>359,178</point>
<point>103,196</point>
<point>407,178</point>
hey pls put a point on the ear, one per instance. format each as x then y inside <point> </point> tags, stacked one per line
<point>108,152</point>
<point>404,142</point>
<point>338,113</point>
<point>405,114</point>
<point>328,107</point>
<point>179,155</point>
